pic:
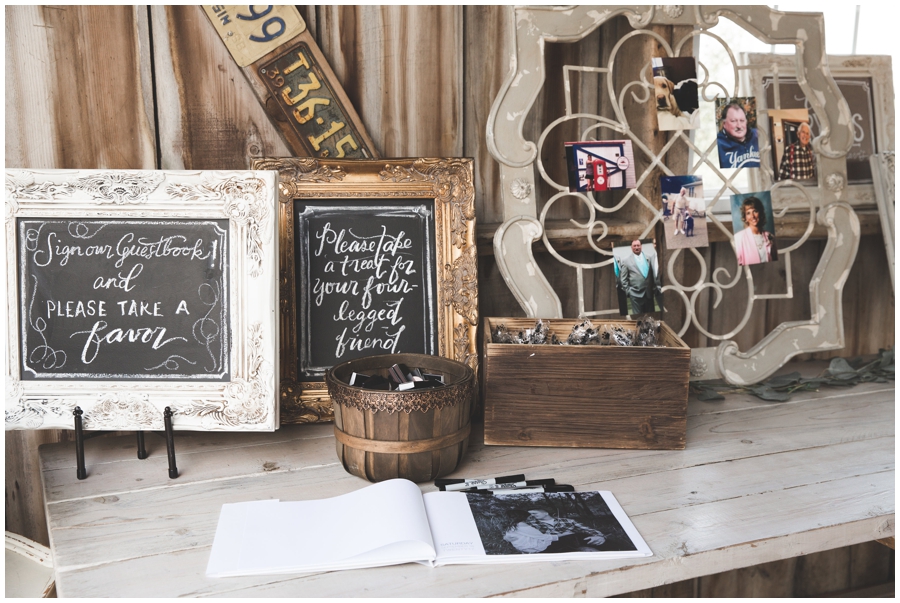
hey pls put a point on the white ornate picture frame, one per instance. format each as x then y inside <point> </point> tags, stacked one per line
<point>520,163</point>
<point>239,206</point>
<point>869,72</point>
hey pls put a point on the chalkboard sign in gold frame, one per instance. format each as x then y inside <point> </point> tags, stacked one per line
<point>448,184</point>
<point>132,291</point>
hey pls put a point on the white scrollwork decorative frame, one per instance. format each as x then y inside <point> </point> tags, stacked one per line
<point>247,400</point>
<point>521,164</point>
<point>883,174</point>
<point>874,120</point>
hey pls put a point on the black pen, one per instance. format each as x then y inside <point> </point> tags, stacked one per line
<point>461,483</point>
<point>526,490</point>
<point>532,483</point>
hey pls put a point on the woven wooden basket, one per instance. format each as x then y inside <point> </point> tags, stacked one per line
<point>418,435</point>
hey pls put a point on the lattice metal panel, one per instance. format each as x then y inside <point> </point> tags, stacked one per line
<point>521,164</point>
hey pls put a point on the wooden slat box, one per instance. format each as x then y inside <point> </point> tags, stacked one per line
<point>584,396</point>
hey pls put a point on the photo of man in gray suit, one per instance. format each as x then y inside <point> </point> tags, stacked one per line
<point>637,274</point>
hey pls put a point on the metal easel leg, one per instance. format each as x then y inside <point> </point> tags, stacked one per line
<point>170,442</point>
<point>80,472</point>
<point>142,450</point>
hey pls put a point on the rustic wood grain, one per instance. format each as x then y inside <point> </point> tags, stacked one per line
<point>869,303</point>
<point>774,579</point>
<point>78,95</point>
<point>868,310</point>
<point>306,481</point>
<point>489,40</point>
<point>710,436</point>
<point>453,420</point>
<point>402,68</point>
<point>584,396</point>
<point>354,423</point>
<point>871,563</point>
<point>23,496</point>
<point>758,483</point>
<point>309,14</point>
<point>821,573</point>
<point>380,466</point>
<point>209,116</point>
<point>870,575</point>
<point>76,88</point>
<point>418,445</point>
<point>888,542</point>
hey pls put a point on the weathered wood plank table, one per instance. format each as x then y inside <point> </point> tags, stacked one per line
<point>758,482</point>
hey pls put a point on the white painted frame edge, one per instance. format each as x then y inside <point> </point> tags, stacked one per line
<point>883,174</point>
<point>535,26</point>
<point>247,199</point>
<point>876,67</point>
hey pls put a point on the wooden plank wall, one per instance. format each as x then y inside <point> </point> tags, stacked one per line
<point>153,87</point>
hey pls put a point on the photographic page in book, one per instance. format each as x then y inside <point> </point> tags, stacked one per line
<point>523,527</point>
<point>383,524</point>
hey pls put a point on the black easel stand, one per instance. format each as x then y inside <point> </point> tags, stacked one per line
<point>80,437</point>
<point>170,442</point>
<point>80,471</point>
<point>142,451</point>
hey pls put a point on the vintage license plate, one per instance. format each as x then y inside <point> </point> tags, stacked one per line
<point>251,32</point>
<point>311,107</point>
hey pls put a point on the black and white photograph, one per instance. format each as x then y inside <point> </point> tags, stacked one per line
<point>638,282</point>
<point>675,86</point>
<point>737,138</point>
<point>793,154</point>
<point>684,211</point>
<point>547,522</point>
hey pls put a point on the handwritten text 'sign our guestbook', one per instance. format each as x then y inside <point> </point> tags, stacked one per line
<point>134,296</point>
<point>123,299</point>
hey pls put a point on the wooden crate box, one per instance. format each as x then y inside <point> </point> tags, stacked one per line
<point>584,396</point>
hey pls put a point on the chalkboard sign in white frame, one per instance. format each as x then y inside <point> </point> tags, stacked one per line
<point>240,397</point>
<point>448,183</point>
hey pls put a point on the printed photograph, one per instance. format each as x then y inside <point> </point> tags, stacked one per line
<point>858,92</point>
<point>638,282</point>
<point>550,522</point>
<point>675,85</point>
<point>754,228</point>
<point>737,140</point>
<point>793,155</point>
<point>684,211</point>
<point>600,165</point>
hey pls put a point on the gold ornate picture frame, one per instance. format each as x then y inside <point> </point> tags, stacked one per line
<point>441,190</point>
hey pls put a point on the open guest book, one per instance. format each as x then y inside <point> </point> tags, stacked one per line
<point>393,522</point>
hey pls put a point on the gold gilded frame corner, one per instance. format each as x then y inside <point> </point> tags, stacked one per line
<point>450,183</point>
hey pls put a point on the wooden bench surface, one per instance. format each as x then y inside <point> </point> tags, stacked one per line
<point>758,482</point>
